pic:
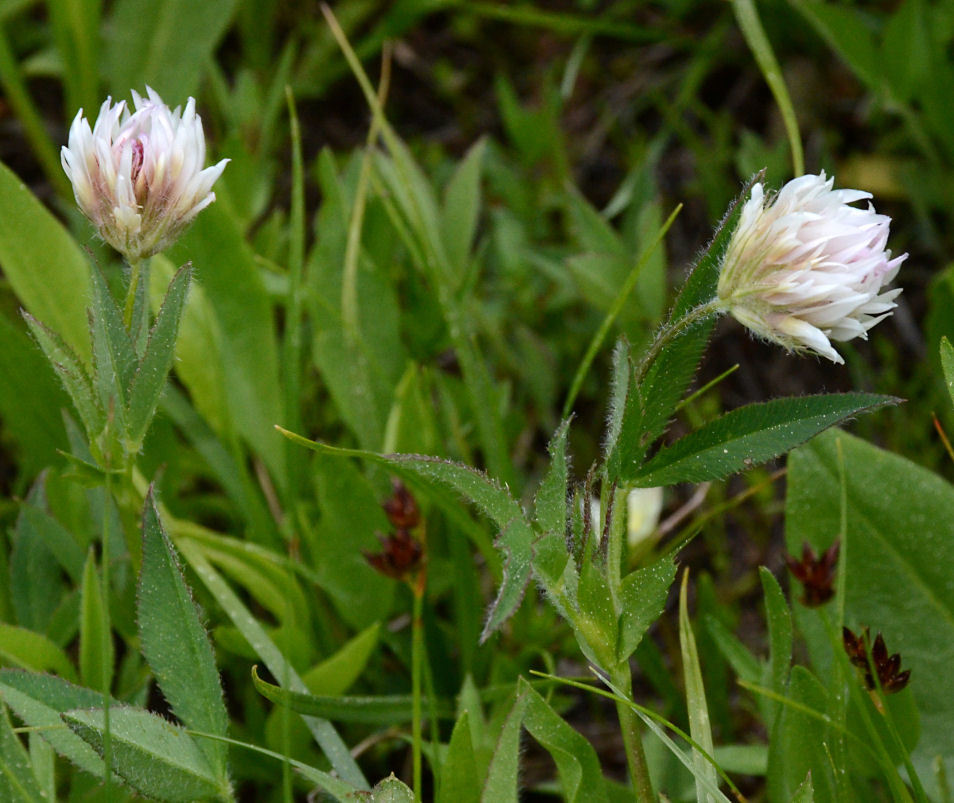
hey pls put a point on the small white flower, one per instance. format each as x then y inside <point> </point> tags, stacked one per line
<point>805,267</point>
<point>139,177</point>
<point>643,507</point>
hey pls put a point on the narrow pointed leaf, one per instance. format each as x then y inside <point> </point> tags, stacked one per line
<point>642,599</point>
<point>72,374</point>
<point>650,403</point>
<point>108,326</point>
<point>699,727</point>
<point>550,502</point>
<point>151,377</point>
<point>751,435</point>
<point>500,786</point>
<point>323,731</point>
<point>779,618</point>
<point>576,760</point>
<point>29,650</point>
<point>516,534</point>
<point>38,700</point>
<point>151,754</point>
<point>459,780</point>
<point>461,207</point>
<point>15,771</point>
<point>175,643</point>
<point>96,643</point>
<point>382,709</point>
<point>947,363</point>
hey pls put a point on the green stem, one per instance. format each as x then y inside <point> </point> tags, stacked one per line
<point>105,558</point>
<point>134,271</point>
<point>632,739</point>
<point>417,653</point>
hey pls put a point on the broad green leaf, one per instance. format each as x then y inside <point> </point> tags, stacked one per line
<point>38,700</point>
<point>163,43</point>
<point>845,31</point>
<point>391,790</point>
<point>150,378</point>
<point>61,543</point>
<point>751,435</point>
<point>175,643</point>
<point>16,775</point>
<point>72,373</point>
<point>550,502</point>
<point>337,673</point>
<point>642,599</point>
<point>30,400</point>
<point>459,779</point>
<point>44,265</point>
<point>516,534</point>
<point>699,727</point>
<point>35,577</point>
<point>322,730</point>
<point>947,363</point>
<point>576,760</point>
<point>150,753</point>
<point>500,785</point>
<point>24,648</point>
<point>779,619</point>
<point>390,708</point>
<point>461,208</point>
<point>96,644</point>
<point>900,546</point>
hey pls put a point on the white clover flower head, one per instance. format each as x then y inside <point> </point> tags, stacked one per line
<point>139,176</point>
<point>805,267</point>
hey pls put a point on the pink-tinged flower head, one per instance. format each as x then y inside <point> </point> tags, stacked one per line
<point>139,177</point>
<point>805,267</point>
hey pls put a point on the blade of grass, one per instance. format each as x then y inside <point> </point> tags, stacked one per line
<point>323,731</point>
<point>751,26</point>
<point>614,311</point>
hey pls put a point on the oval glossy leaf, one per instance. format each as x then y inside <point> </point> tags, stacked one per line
<point>751,435</point>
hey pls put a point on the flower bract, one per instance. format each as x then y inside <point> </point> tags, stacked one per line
<point>805,267</point>
<point>139,176</point>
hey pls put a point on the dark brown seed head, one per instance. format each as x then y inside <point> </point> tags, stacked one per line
<point>401,507</point>
<point>815,573</point>
<point>402,556</point>
<point>887,667</point>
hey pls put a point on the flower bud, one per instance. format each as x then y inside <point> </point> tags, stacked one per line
<point>804,267</point>
<point>139,177</point>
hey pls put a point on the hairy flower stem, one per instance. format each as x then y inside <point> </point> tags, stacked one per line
<point>107,626</point>
<point>417,655</point>
<point>135,271</point>
<point>632,739</point>
<point>671,330</point>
